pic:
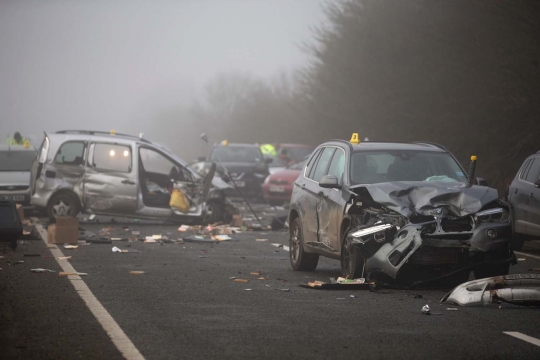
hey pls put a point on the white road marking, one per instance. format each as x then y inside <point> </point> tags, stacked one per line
<point>285,247</point>
<point>523,337</point>
<point>117,335</point>
<point>525,254</point>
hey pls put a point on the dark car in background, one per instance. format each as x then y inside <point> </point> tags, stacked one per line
<point>524,198</point>
<point>395,212</point>
<point>15,166</point>
<point>243,165</point>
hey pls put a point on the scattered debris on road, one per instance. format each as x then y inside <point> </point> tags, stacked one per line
<point>137,272</point>
<point>62,273</point>
<point>71,247</point>
<point>241,280</point>
<point>426,310</point>
<point>339,284</point>
<point>40,270</point>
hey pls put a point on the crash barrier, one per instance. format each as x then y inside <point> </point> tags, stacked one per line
<point>10,223</point>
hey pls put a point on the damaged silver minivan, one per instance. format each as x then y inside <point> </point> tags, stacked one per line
<point>121,175</point>
<point>397,213</point>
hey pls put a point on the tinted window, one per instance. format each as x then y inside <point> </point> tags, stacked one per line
<point>112,157</point>
<point>371,167</point>
<point>525,168</point>
<point>16,160</point>
<point>71,153</point>
<point>322,164</point>
<point>311,163</point>
<point>337,166</point>
<point>534,169</point>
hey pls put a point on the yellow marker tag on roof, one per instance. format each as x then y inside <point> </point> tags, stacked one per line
<point>224,143</point>
<point>27,144</point>
<point>113,132</point>
<point>355,139</point>
<point>473,158</point>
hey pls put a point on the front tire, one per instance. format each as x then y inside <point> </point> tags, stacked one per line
<point>214,212</point>
<point>64,204</point>
<point>300,260</point>
<point>352,263</point>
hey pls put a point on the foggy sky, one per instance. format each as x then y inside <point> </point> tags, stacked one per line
<point>106,65</point>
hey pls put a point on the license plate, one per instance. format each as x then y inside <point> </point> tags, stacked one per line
<point>12,197</point>
<point>277,189</point>
<point>240,183</point>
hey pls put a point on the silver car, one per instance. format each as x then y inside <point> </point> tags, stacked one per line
<point>15,165</point>
<point>121,175</point>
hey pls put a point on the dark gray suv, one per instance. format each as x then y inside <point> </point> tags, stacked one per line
<point>394,212</point>
<point>524,198</point>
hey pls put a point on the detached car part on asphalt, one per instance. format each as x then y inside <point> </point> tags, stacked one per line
<point>122,175</point>
<point>518,289</point>
<point>397,213</point>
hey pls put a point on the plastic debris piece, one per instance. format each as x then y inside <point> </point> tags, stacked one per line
<point>136,272</point>
<point>157,237</point>
<point>248,289</point>
<point>40,270</point>
<point>116,239</point>
<point>261,240</point>
<point>452,309</point>
<point>136,233</point>
<point>71,247</point>
<point>92,217</point>
<point>521,259</point>
<point>426,310</point>
<point>183,228</point>
<point>258,273</point>
<point>115,249</point>
<point>353,296</point>
<point>241,280</point>
<point>150,239</point>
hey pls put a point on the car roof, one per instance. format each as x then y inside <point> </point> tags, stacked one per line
<point>297,146</point>
<point>383,145</point>
<point>237,145</point>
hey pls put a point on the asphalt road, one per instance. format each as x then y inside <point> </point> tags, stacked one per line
<point>186,305</point>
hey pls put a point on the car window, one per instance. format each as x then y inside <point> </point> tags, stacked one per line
<point>16,160</point>
<point>157,163</point>
<point>534,169</point>
<point>112,157</point>
<point>524,169</point>
<point>311,163</point>
<point>371,167</point>
<point>337,166</point>
<point>236,154</point>
<point>71,153</point>
<point>322,164</point>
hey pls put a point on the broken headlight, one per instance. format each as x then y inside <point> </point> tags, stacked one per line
<point>492,215</point>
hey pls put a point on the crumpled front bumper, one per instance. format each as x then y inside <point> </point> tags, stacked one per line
<point>389,249</point>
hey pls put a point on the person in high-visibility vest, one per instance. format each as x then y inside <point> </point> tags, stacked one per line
<point>268,149</point>
<point>17,139</point>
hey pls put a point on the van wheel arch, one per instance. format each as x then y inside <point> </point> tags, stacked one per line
<point>65,196</point>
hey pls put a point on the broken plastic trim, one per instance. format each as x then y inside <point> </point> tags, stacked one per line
<point>370,230</point>
<point>518,289</point>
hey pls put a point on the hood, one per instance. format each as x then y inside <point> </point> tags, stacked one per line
<point>14,178</point>
<point>237,167</point>
<point>409,198</point>
<point>287,174</point>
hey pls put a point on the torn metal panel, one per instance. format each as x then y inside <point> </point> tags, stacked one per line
<point>519,289</point>
<point>410,198</point>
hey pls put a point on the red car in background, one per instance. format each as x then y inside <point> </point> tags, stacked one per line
<point>277,187</point>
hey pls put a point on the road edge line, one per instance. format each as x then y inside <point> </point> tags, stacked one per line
<point>111,327</point>
<point>520,336</point>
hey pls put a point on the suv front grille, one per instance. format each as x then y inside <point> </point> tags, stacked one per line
<point>456,225</point>
<point>14,187</point>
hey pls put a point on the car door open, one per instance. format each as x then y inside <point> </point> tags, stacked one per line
<point>190,188</point>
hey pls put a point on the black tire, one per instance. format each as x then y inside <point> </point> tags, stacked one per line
<point>491,270</point>
<point>300,260</point>
<point>214,212</point>
<point>352,263</point>
<point>63,204</point>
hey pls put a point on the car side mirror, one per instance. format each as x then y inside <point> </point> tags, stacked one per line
<point>329,182</point>
<point>481,182</point>
<point>268,160</point>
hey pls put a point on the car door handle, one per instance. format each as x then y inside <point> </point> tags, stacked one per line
<point>128,182</point>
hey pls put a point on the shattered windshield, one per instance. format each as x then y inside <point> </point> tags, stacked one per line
<point>16,160</point>
<point>236,154</point>
<point>371,167</point>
